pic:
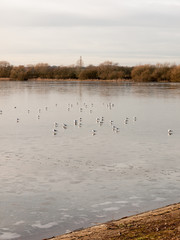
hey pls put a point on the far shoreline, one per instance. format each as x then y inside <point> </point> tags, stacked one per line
<point>82,80</point>
<point>65,80</point>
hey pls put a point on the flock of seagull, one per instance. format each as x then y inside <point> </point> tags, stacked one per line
<point>78,122</point>
<point>99,120</point>
<point>94,131</point>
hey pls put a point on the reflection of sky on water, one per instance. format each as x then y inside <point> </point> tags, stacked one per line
<point>50,184</point>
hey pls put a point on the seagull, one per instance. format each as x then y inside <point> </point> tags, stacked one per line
<point>117,129</point>
<point>113,128</point>
<point>97,119</point>
<point>56,124</point>
<point>64,126</point>
<point>94,132</point>
<point>170,131</point>
<point>55,131</point>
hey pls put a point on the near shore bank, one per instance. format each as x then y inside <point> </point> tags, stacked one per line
<point>162,223</point>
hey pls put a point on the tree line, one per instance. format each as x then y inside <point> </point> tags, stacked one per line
<point>104,71</point>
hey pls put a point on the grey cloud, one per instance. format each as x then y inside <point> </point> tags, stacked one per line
<point>137,31</point>
<point>44,19</point>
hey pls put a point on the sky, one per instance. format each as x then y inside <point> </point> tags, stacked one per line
<point>58,32</point>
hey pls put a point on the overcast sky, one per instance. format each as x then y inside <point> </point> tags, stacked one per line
<point>58,32</point>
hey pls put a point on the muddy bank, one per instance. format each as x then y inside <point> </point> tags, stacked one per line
<point>79,80</point>
<point>67,80</point>
<point>162,223</point>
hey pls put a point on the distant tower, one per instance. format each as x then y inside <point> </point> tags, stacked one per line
<point>80,62</point>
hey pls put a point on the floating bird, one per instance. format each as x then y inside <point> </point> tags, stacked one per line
<point>64,126</point>
<point>126,121</point>
<point>113,128</point>
<point>117,129</point>
<point>170,131</point>
<point>55,131</point>
<point>56,124</point>
<point>101,123</point>
<point>97,119</point>
<point>94,132</point>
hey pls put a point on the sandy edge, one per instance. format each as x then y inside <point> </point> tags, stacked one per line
<point>162,223</point>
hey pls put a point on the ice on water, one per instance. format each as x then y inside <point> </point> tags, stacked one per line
<point>58,175</point>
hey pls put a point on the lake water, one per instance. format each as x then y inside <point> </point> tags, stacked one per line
<point>55,181</point>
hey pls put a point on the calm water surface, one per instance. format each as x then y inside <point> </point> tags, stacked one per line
<point>52,183</point>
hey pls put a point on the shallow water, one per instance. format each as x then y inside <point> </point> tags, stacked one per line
<point>55,182</point>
